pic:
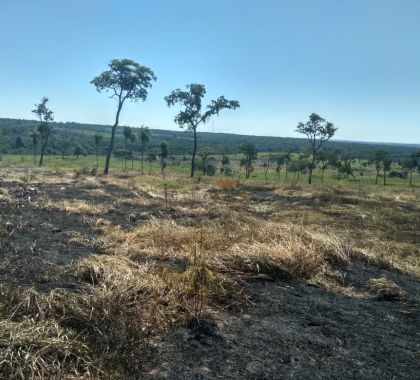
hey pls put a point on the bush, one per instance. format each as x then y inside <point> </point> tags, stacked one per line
<point>207,169</point>
<point>226,184</point>
<point>81,171</point>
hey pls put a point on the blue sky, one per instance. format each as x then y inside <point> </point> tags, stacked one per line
<point>356,63</point>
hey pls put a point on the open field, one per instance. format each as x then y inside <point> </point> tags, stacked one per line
<point>181,166</point>
<point>131,276</point>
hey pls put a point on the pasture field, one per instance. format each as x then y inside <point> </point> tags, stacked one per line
<point>181,166</point>
<point>133,276</point>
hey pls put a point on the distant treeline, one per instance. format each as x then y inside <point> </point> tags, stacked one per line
<point>66,138</point>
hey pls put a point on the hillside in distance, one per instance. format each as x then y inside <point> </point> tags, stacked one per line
<point>66,136</point>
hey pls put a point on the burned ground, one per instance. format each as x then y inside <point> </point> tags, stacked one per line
<point>111,262</point>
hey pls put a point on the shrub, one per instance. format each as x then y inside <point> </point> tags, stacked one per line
<point>81,171</point>
<point>226,184</point>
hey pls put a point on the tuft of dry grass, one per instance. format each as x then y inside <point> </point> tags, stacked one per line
<point>385,289</point>
<point>225,184</point>
<point>82,207</point>
<point>32,349</point>
<point>239,245</point>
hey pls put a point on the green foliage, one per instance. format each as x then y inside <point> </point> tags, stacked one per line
<point>182,143</point>
<point>379,157</point>
<point>79,151</point>
<point>125,80</point>
<point>317,131</point>
<point>250,154</point>
<point>226,169</point>
<point>164,153</point>
<point>45,117</point>
<point>411,163</point>
<point>98,138</point>
<point>144,134</point>
<point>191,115</point>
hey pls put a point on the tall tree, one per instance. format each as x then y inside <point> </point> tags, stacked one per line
<point>35,139</point>
<point>317,131</point>
<point>98,139</point>
<point>126,80</point>
<point>191,116</point>
<point>45,116</point>
<point>144,134</point>
<point>250,154</point>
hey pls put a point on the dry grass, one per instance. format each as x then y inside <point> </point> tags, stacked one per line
<point>225,184</point>
<point>184,261</point>
<point>385,289</point>
<point>32,349</point>
<point>83,207</point>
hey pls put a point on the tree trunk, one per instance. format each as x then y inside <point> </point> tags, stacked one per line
<point>377,176</point>
<point>111,142</point>
<point>194,152</point>
<point>34,154</point>
<point>41,159</point>
<point>411,177</point>
<point>311,168</point>
<point>384,177</point>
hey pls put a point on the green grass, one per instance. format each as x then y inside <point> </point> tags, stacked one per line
<point>183,167</point>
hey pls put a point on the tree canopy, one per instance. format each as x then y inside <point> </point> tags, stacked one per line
<point>192,114</point>
<point>125,80</point>
<point>317,131</point>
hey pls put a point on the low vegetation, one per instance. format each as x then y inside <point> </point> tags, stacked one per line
<point>94,268</point>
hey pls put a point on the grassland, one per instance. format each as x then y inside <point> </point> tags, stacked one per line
<point>132,276</point>
<point>181,166</point>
